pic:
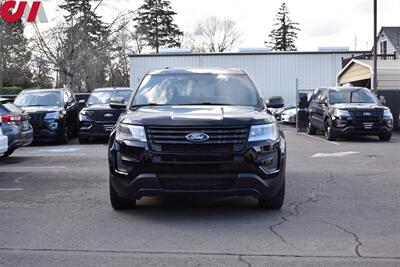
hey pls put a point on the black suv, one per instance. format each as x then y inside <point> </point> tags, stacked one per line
<point>343,111</point>
<point>97,119</point>
<point>53,113</point>
<point>197,132</point>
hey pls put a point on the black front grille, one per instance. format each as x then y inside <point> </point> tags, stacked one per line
<point>107,115</point>
<point>36,119</point>
<point>221,140</point>
<point>367,115</point>
<point>197,184</point>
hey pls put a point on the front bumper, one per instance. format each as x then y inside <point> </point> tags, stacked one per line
<point>137,172</point>
<point>95,129</point>
<point>361,128</point>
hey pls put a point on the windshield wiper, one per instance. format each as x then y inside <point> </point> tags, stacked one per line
<point>146,105</point>
<point>205,104</point>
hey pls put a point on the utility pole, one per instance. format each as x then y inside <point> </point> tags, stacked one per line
<point>375,74</point>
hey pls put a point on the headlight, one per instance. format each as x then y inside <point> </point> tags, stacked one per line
<point>264,132</point>
<point>52,116</point>
<point>127,132</point>
<point>85,115</point>
<point>387,114</point>
<point>341,113</point>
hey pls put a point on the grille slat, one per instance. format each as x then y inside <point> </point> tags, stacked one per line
<point>36,119</point>
<point>359,115</point>
<point>227,139</point>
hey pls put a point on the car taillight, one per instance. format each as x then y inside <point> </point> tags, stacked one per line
<point>12,118</point>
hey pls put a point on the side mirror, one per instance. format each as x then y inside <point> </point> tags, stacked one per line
<point>382,99</point>
<point>117,102</point>
<point>275,102</point>
<point>82,102</point>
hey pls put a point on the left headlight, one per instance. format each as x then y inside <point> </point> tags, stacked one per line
<point>52,116</point>
<point>126,132</point>
<point>387,114</point>
<point>264,132</point>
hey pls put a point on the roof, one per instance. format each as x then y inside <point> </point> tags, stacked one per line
<point>248,53</point>
<point>111,89</point>
<point>198,71</point>
<point>357,70</point>
<point>393,34</point>
<point>43,90</point>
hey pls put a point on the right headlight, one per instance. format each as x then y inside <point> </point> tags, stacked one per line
<point>264,132</point>
<point>341,113</point>
<point>126,132</point>
<point>86,115</point>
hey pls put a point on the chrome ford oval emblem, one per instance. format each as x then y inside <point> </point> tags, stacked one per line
<point>367,114</point>
<point>108,115</point>
<point>197,137</point>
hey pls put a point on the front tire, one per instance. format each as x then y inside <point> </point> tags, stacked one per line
<point>274,203</point>
<point>119,203</point>
<point>329,135</point>
<point>385,137</point>
<point>311,130</point>
<point>83,140</point>
<point>7,154</point>
<point>64,138</point>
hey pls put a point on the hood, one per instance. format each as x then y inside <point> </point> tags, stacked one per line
<point>196,116</point>
<point>42,109</point>
<point>356,106</point>
<point>98,107</point>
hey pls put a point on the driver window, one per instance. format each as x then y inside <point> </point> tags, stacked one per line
<point>66,98</point>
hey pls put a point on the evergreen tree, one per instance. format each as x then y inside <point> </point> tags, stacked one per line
<point>156,24</point>
<point>284,34</point>
<point>14,55</point>
<point>86,39</point>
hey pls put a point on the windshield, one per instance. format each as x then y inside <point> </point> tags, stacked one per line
<point>196,89</point>
<point>357,95</point>
<point>104,97</point>
<point>30,99</point>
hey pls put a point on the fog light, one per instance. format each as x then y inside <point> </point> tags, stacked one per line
<point>53,126</point>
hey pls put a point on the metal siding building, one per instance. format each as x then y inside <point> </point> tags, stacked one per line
<point>275,73</point>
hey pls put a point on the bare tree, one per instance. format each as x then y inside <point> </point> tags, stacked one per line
<point>215,35</point>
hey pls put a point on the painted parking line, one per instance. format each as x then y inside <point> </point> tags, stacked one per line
<point>30,168</point>
<point>57,155</point>
<point>332,155</point>
<point>320,139</point>
<point>10,189</point>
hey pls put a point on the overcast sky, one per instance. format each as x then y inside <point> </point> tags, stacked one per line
<point>323,22</point>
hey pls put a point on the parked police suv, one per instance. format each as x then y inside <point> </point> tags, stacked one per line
<point>97,119</point>
<point>53,113</point>
<point>343,111</point>
<point>197,132</point>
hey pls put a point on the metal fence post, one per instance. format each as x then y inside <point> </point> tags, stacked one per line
<point>297,105</point>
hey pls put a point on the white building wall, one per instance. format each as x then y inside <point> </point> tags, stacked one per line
<point>274,73</point>
<point>390,47</point>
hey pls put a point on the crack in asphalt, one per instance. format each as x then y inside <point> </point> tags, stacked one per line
<point>244,261</point>
<point>355,236</point>
<point>313,196</point>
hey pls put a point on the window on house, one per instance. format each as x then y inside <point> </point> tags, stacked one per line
<point>384,47</point>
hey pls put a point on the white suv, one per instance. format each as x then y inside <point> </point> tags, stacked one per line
<point>3,141</point>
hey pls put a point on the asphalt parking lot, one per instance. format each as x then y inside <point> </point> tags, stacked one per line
<point>342,208</point>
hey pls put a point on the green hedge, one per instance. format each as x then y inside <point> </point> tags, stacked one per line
<point>10,90</point>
